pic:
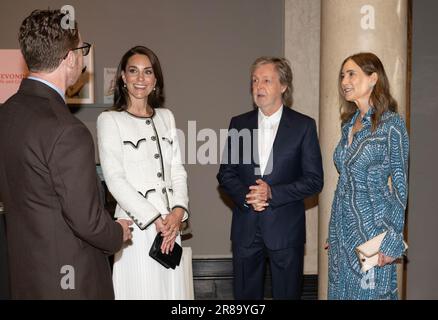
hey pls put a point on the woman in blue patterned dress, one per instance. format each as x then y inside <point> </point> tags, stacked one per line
<point>372,190</point>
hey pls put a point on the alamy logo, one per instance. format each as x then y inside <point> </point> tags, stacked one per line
<point>368,20</point>
<point>368,280</point>
<point>68,21</point>
<point>208,146</point>
<point>68,278</point>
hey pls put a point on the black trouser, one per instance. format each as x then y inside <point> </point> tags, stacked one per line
<point>249,271</point>
<point>4,270</point>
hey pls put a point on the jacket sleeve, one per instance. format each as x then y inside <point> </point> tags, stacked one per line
<point>228,176</point>
<point>142,212</point>
<point>178,174</point>
<point>312,178</point>
<point>73,172</point>
<point>398,147</point>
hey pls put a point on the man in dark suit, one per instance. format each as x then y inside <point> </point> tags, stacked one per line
<point>272,161</point>
<point>58,232</point>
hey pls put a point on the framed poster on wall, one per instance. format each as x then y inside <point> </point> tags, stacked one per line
<point>82,92</point>
<point>13,69</point>
<point>109,83</point>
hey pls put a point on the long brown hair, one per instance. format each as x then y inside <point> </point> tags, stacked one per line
<point>381,98</point>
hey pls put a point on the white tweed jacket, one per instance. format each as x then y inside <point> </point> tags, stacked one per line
<point>141,164</point>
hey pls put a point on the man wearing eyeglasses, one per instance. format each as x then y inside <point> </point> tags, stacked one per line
<point>58,232</point>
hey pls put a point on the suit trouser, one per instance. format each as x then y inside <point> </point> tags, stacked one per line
<point>4,274</point>
<point>249,270</point>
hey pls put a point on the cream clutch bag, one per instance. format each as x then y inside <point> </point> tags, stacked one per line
<point>368,252</point>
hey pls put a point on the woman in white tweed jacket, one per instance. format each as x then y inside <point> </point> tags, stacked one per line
<point>141,163</point>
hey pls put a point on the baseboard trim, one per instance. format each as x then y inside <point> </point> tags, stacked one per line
<point>213,280</point>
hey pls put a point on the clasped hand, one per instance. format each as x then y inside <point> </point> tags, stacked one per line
<point>169,228</point>
<point>259,195</point>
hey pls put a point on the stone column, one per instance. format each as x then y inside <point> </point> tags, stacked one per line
<point>302,46</point>
<point>348,27</point>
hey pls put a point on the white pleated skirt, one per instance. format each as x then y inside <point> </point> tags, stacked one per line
<point>136,276</point>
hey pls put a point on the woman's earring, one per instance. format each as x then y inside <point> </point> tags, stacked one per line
<point>155,89</point>
<point>124,85</point>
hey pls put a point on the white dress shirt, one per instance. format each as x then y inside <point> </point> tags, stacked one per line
<point>268,127</point>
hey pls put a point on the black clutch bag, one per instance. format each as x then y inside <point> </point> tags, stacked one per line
<point>170,260</point>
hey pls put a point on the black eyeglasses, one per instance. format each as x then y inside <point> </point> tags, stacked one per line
<point>85,49</point>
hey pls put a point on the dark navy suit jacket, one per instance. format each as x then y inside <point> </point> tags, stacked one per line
<point>296,174</point>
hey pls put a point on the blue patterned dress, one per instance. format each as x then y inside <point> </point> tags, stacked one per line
<point>365,205</point>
